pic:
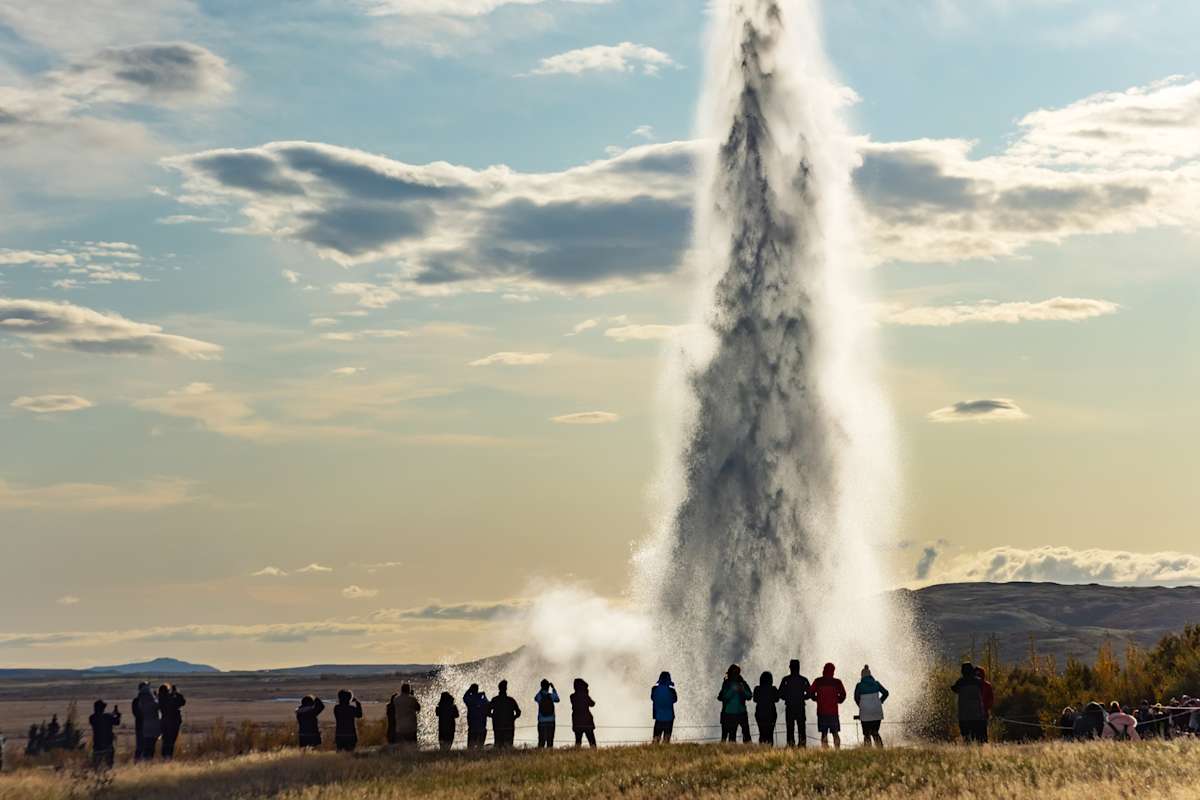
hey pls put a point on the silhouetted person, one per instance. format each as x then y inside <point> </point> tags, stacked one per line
<point>793,691</point>
<point>33,744</point>
<point>1120,726</point>
<point>447,716</point>
<point>406,710</point>
<point>170,705</point>
<point>52,730</point>
<point>971,719</point>
<point>477,715</point>
<point>766,696</point>
<point>137,722</point>
<point>346,715</point>
<point>583,724</point>
<point>829,693</point>
<point>734,694</point>
<point>987,696</point>
<point>1066,723</point>
<point>869,696</point>
<point>504,712</point>
<point>663,698</point>
<point>307,723</point>
<point>545,700</point>
<point>103,740</point>
<point>147,705</point>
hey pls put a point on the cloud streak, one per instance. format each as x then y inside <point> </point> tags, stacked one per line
<point>997,410</point>
<point>625,57</point>
<point>587,418</point>
<point>510,359</point>
<point>52,403</point>
<point>143,497</point>
<point>1058,309</point>
<point>66,326</point>
<point>1068,565</point>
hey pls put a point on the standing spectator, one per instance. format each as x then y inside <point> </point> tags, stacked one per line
<point>406,709</point>
<point>170,703</point>
<point>447,714</point>
<point>1066,724</point>
<point>477,715</point>
<point>766,696</point>
<point>793,690</point>
<point>970,704</point>
<point>582,722</point>
<point>1120,726</point>
<point>137,722</point>
<point>829,693</point>
<point>869,696</point>
<point>988,697</point>
<point>103,740</point>
<point>734,694</point>
<point>148,709</point>
<point>504,712</point>
<point>346,715</point>
<point>663,698</point>
<point>546,699</point>
<point>308,728</point>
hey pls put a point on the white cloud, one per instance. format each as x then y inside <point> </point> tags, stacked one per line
<point>997,410</point>
<point>348,371</point>
<point>586,325</point>
<point>642,333</point>
<point>644,132</point>
<point>368,295</point>
<point>52,403</point>
<point>94,24</point>
<point>511,360</point>
<point>381,565</point>
<point>291,276</point>
<point>187,219</point>
<point>146,496</point>
<point>84,262</point>
<point>354,592</point>
<point>624,57</point>
<point>269,572</point>
<point>168,74</point>
<point>1058,309</point>
<point>587,418</point>
<point>1068,565</point>
<point>314,569</point>
<point>68,600</point>
<point>324,322</point>
<point>66,326</point>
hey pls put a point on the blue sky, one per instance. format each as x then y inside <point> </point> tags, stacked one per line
<point>291,285</point>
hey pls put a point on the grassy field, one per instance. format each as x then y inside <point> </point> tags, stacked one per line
<point>1160,770</point>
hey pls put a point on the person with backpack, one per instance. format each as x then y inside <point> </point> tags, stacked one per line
<point>970,705</point>
<point>447,717</point>
<point>734,694</point>
<point>170,703</point>
<point>346,715</point>
<point>1120,726</point>
<point>405,709</point>
<point>793,691</point>
<point>663,698</point>
<point>308,730</point>
<point>869,696</point>
<point>583,724</point>
<point>477,716</point>
<point>545,700</point>
<point>504,712</point>
<point>103,740</point>
<point>148,710</point>
<point>766,697</point>
<point>829,692</point>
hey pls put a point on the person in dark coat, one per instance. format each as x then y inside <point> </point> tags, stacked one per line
<point>148,710</point>
<point>793,691</point>
<point>307,724</point>
<point>137,722</point>
<point>1066,724</point>
<point>447,717</point>
<point>971,719</point>
<point>988,697</point>
<point>405,708</point>
<point>582,722</point>
<point>504,712</point>
<point>170,703</point>
<point>346,715</point>
<point>663,698</point>
<point>734,694</point>
<point>829,692</point>
<point>766,696</point>
<point>103,740</point>
<point>477,716</point>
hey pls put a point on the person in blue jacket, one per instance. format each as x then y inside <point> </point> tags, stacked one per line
<point>663,698</point>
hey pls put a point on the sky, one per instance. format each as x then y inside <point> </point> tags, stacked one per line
<point>332,330</point>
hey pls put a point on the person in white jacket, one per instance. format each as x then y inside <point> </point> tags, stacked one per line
<point>1119,725</point>
<point>870,695</point>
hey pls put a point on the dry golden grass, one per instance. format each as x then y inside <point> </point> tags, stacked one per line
<point>1156,769</point>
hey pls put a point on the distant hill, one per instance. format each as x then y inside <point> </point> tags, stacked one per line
<point>158,666</point>
<point>352,670</point>
<point>1063,621</point>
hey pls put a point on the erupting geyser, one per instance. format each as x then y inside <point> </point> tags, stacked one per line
<point>780,488</point>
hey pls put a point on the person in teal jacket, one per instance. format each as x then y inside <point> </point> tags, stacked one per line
<point>870,695</point>
<point>734,694</point>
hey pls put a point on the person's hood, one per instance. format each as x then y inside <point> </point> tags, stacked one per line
<point>828,670</point>
<point>968,670</point>
<point>868,685</point>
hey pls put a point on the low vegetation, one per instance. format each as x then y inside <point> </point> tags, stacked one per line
<point>1056,770</point>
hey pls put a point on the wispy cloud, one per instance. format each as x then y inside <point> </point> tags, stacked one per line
<point>355,592</point>
<point>509,359</point>
<point>1070,565</point>
<point>146,496</point>
<point>52,403</point>
<point>586,325</point>
<point>644,333</point>
<point>997,410</point>
<point>269,572</point>
<point>68,600</point>
<point>1058,309</point>
<point>587,418</point>
<point>314,569</point>
<point>623,57</point>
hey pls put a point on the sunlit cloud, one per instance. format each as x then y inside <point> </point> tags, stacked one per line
<point>511,360</point>
<point>52,403</point>
<point>587,418</point>
<point>997,410</point>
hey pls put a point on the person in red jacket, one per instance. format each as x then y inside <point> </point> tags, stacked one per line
<point>829,693</point>
<point>988,696</point>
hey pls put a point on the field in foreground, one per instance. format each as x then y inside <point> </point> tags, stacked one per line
<point>1156,769</point>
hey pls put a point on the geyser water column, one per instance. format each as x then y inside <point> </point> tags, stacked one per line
<point>779,486</point>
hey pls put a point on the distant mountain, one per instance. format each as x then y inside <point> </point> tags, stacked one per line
<point>158,666</point>
<point>1063,621</point>
<point>352,670</point>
